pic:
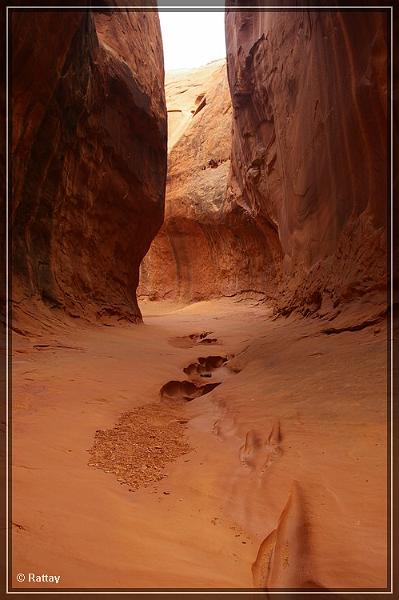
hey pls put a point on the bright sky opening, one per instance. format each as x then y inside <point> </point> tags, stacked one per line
<point>192,39</point>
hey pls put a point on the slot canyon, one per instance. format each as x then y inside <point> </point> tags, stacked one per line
<point>199,303</point>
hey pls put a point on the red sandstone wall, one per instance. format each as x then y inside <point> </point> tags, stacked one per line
<point>299,213</point>
<point>88,156</point>
<point>309,93</point>
<point>206,247</point>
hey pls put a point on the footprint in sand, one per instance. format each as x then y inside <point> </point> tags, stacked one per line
<point>185,390</point>
<point>259,453</point>
<point>207,366</point>
<point>203,367</point>
<point>225,427</point>
<point>193,339</point>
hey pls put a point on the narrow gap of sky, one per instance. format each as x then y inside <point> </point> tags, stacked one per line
<point>192,39</point>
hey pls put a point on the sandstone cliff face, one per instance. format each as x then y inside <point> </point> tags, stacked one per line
<point>88,156</point>
<point>206,248</point>
<point>301,216</point>
<point>309,148</point>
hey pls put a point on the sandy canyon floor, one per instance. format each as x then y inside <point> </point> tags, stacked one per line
<point>131,469</point>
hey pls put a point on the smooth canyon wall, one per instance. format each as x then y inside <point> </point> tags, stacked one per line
<point>88,157</point>
<point>309,94</point>
<point>284,193</point>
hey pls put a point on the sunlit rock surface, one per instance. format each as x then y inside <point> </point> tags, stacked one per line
<point>207,247</point>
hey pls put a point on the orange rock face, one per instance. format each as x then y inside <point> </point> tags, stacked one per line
<point>207,247</point>
<point>300,213</point>
<point>89,156</point>
<point>309,93</point>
